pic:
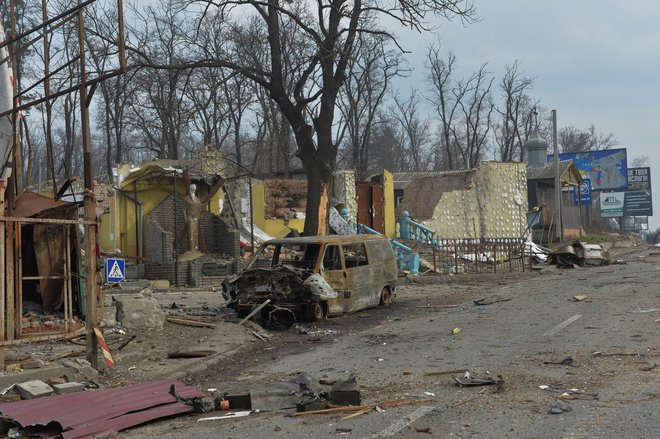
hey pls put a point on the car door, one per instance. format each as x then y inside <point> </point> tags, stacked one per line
<point>333,271</point>
<point>358,277</point>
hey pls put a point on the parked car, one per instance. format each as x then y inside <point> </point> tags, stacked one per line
<point>310,278</point>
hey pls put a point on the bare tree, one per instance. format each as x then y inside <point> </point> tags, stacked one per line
<point>370,73</point>
<point>475,101</point>
<point>307,95</point>
<point>572,139</point>
<point>446,105</point>
<point>159,114</point>
<point>516,113</point>
<point>414,131</point>
<point>116,94</point>
<point>640,161</point>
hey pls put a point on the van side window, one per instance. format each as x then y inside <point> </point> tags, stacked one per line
<point>355,255</point>
<point>332,258</point>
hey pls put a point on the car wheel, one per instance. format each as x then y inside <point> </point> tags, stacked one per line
<point>386,297</point>
<point>315,311</point>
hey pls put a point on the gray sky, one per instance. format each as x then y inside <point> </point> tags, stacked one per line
<point>595,62</point>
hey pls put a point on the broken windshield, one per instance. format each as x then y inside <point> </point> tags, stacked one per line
<point>292,255</point>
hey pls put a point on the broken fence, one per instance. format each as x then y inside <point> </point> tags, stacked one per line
<point>451,256</point>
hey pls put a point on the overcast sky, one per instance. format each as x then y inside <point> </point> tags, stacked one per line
<point>595,62</point>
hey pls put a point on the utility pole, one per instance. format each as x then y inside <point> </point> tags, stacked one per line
<point>91,285</point>
<point>558,194</point>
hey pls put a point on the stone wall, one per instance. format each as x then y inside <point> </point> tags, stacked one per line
<point>489,201</point>
<point>344,192</point>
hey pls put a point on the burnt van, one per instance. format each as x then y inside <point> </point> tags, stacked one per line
<point>310,278</point>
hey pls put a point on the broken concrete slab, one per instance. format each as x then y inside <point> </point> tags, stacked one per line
<point>32,364</point>
<point>34,389</point>
<point>160,284</point>
<point>61,389</point>
<point>140,313</point>
<point>82,368</point>
<point>43,374</point>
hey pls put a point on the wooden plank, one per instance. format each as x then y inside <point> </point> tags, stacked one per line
<point>254,311</point>
<point>16,219</point>
<point>190,322</point>
<point>358,408</point>
<point>2,273</point>
<point>10,300</point>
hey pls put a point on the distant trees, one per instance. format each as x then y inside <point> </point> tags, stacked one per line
<point>572,139</point>
<point>278,85</point>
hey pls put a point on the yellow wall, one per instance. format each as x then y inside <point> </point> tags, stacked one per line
<point>150,195</point>
<point>388,204</point>
<point>274,227</point>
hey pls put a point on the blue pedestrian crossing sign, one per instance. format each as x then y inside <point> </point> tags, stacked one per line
<point>115,270</point>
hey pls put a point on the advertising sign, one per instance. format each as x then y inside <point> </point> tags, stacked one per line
<point>584,191</point>
<point>611,204</point>
<point>638,203</point>
<point>639,179</point>
<point>607,169</point>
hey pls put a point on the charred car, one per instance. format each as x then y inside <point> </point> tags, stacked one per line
<point>310,278</point>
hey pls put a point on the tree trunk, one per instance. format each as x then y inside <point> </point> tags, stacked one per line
<point>318,201</point>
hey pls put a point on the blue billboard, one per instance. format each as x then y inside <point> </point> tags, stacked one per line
<point>584,192</point>
<point>607,169</point>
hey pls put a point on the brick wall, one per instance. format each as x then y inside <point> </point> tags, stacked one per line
<point>217,238</point>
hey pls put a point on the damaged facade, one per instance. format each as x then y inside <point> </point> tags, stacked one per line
<point>541,199</point>
<point>149,220</point>
<point>279,204</point>
<point>487,202</point>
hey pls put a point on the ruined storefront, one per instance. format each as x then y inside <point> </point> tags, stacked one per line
<point>177,220</point>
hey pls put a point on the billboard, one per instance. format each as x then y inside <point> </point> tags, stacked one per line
<point>611,204</point>
<point>638,203</point>
<point>639,179</point>
<point>584,192</point>
<point>607,169</point>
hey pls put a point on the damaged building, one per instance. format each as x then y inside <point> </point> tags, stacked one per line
<point>279,204</point>
<point>176,220</point>
<point>487,202</point>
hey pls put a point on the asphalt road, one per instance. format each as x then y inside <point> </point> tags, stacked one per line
<point>612,338</point>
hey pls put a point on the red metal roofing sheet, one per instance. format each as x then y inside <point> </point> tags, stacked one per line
<point>29,204</point>
<point>103,409</point>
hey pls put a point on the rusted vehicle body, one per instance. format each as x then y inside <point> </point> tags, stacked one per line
<point>309,278</point>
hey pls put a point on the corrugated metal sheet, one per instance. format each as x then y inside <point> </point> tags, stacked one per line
<point>86,413</point>
<point>548,171</point>
<point>29,204</point>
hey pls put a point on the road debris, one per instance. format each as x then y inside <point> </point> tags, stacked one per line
<point>485,301</point>
<point>423,430</point>
<point>190,354</point>
<point>568,361</point>
<point>455,331</point>
<point>557,409</point>
<point>385,405</point>
<point>579,254</point>
<point>473,382</point>
<point>230,415</point>
<point>190,322</point>
<point>443,372</point>
<point>580,297</point>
